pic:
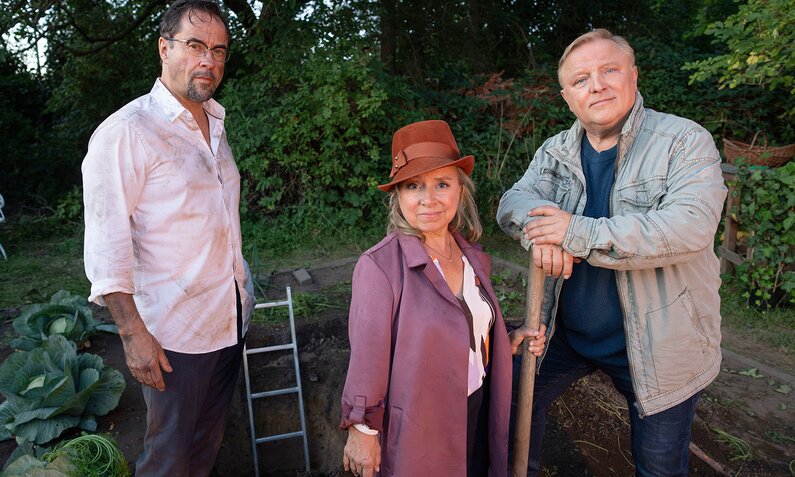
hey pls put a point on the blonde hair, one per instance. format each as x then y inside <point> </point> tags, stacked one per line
<point>591,36</point>
<point>466,220</point>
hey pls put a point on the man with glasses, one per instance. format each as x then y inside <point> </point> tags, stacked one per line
<point>163,243</point>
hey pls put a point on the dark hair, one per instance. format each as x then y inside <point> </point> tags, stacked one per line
<point>169,25</point>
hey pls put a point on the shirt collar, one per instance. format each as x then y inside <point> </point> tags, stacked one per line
<point>173,108</point>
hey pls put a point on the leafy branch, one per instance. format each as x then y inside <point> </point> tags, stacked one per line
<point>759,41</point>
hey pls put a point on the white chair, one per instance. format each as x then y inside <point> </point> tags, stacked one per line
<point>2,219</point>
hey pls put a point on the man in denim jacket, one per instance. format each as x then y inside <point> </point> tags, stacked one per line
<point>621,211</point>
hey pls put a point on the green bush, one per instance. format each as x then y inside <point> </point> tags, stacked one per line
<point>311,145</point>
<point>70,206</point>
<point>767,212</point>
<point>760,48</point>
<point>502,121</point>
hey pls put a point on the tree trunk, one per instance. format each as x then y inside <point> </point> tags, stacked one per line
<point>388,21</point>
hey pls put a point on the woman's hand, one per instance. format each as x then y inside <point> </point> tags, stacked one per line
<point>362,453</point>
<point>537,339</point>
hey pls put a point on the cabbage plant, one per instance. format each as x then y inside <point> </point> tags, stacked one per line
<point>28,460</point>
<point>52,388</point>
<point>66,314</point>
<point>88,455</point>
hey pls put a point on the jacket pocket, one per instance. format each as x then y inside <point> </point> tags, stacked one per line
<point>392,441</point>
<point>677,343</point>
<point>552,186</point>
<point>641,196</point>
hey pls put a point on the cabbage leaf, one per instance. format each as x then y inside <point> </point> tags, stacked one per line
<point>66,314</point>
<point>52,388</point>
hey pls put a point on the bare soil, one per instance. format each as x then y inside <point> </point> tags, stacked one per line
<point>587,432</point>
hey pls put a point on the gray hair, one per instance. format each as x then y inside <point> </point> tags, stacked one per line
<point>591,36</point>
<point>466,217</point>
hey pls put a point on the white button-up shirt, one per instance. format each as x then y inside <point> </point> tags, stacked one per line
<point>163,224</point>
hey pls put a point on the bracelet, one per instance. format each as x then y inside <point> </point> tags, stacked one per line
<point>364,428</point>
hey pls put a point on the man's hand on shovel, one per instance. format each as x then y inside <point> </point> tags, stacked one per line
<point>546,233</point>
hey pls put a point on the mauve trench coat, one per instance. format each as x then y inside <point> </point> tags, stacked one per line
<point>407,375</point>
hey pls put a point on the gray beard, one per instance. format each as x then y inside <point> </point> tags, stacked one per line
<point>197,95</point>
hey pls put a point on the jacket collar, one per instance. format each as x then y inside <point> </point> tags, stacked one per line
<point>569,150</point>
<point>416,256</point>
<point>413,250</point>
<point>631,127</point>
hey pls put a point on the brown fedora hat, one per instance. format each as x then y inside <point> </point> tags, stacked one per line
<point>424,146</point>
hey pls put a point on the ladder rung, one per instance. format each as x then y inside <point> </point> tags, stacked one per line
<point>278,437</point>
<point>273,304</point>
<point>275,392</point>
<point>268,349</point>
<point>293,345</point>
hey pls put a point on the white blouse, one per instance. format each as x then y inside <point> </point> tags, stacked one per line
<point>481,318</point>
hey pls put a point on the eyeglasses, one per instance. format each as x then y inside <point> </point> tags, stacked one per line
<point>198,48</point>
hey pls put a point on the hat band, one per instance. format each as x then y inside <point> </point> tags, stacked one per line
<point>423,149</point>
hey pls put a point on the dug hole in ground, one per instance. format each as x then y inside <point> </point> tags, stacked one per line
<point>745,424</point>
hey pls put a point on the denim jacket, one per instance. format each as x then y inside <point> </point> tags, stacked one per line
<point>665,207</point>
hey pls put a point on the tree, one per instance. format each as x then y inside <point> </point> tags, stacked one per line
<point>759,42</point>
<point>23,149</point>
<point>99,55</point>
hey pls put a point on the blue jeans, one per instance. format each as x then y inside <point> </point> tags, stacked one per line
<point>659,441</point>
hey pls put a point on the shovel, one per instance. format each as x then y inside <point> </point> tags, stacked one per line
<point>524,410</point>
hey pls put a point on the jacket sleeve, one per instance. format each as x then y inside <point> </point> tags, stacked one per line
<point>370,332</point>
<point>536,188</point>
<point>652,232</point>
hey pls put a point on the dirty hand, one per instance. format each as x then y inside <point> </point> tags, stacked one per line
<point>554,260</point>
<point>535,345</point>
<point>145,358</point>
<point>362,453</point>
<point>549,227</point>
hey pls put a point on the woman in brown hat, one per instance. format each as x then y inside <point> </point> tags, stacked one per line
<point>429,380</point>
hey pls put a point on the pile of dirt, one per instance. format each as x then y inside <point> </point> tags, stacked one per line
<point>587,431</point>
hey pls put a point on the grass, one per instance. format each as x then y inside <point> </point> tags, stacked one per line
<point>304,304</point>
<point>278,245</point>
<point>44,256</point>
<point>774,327</point>
<point>779,438</point>
<point>498,244</point>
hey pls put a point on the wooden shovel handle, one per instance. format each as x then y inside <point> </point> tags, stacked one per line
<point>524,409</point>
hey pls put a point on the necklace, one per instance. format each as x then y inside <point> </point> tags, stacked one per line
<point>449,246</point>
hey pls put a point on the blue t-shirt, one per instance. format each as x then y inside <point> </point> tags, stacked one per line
<point>590,312</point>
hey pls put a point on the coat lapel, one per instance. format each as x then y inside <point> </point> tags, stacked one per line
<point>417,257</point>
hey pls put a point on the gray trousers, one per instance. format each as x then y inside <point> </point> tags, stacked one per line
<point>185,423</point>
